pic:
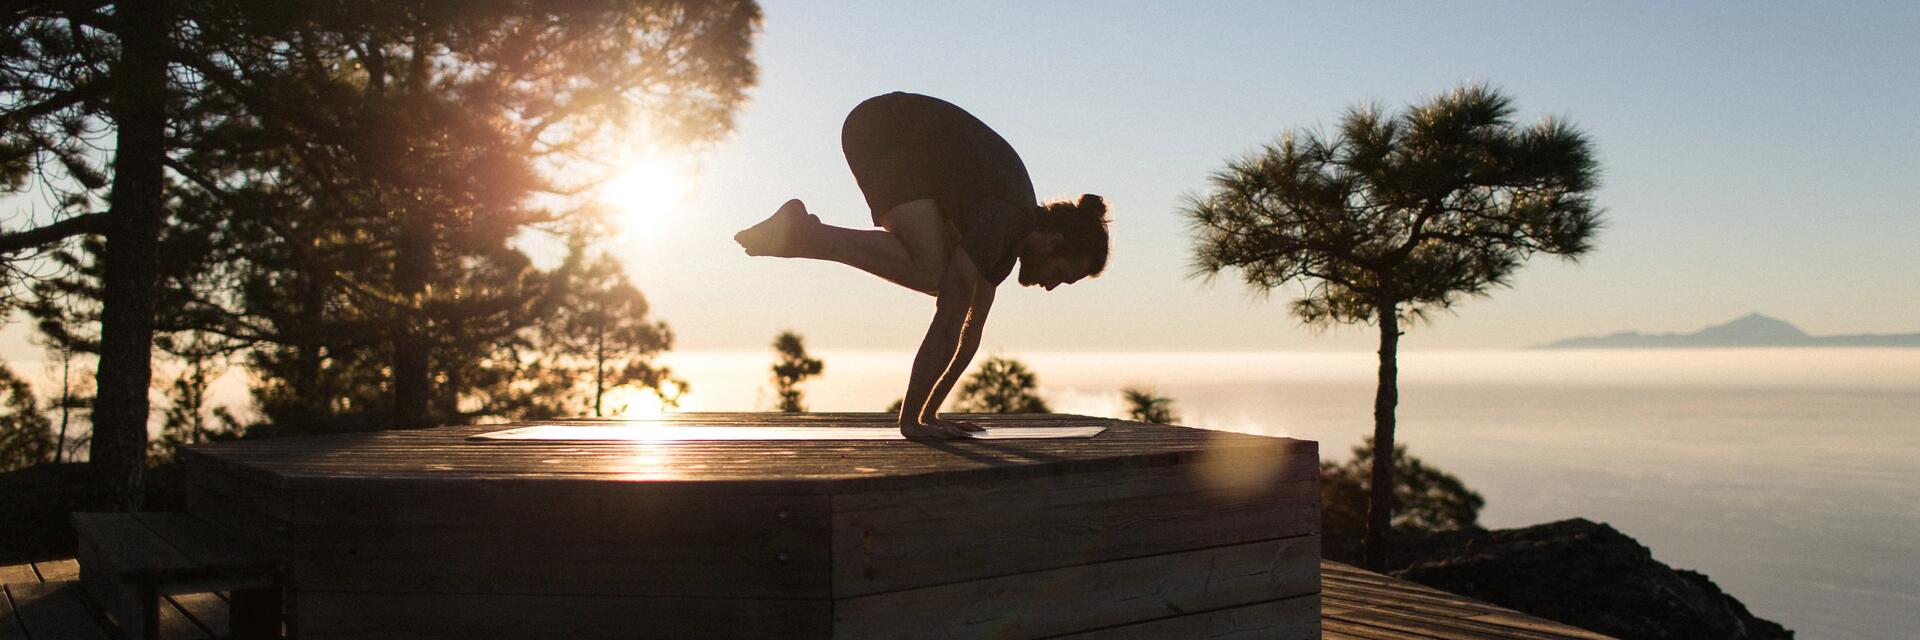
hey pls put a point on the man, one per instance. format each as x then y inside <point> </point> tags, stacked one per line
<point>955,209</point>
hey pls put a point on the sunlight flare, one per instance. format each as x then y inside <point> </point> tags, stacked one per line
<point>646,193</point>
<point>634,403</point>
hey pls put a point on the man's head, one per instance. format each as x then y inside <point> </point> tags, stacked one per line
<point>1069,242</point>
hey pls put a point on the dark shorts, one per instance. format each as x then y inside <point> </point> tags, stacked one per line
<point>904,147</point>
<point>889,151</point>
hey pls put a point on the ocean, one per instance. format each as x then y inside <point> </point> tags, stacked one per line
<point>1791,477</point>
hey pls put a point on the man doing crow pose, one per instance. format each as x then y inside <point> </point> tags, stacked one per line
<point>955,210</point>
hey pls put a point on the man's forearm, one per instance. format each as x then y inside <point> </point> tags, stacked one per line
<point>969,345</point>
<point>935,362</point>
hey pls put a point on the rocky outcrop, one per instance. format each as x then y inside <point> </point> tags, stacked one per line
<point>1581,573</point>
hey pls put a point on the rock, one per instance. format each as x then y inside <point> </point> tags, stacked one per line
<point>1580,573</point>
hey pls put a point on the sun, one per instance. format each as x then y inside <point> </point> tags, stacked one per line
<point>646,192</point>
<point>628,402</point>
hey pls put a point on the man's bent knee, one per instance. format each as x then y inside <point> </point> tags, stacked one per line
<point>927,281</point>
<point>927,237</point>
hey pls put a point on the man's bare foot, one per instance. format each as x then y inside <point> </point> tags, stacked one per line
<point>779,233</point>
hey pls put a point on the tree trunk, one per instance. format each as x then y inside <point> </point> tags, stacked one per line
<point>1380,504</point>
<point>412,271</point>
<point>307,389</point>
<point>450,397</point>
<point>66,404</point>
<point>413,267</point>
<point>118,451</point>
<point>599,370</point>
<point>199,401</point>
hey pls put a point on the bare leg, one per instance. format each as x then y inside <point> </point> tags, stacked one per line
<point>910,252</point>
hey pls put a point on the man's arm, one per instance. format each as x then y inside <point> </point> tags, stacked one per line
<point>945,352</point>
<point>969,344</point>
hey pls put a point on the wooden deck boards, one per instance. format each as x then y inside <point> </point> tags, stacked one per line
<point>1354,605</point>
<point>442,455</point>
<point>44,601</point>
<point>1357,604</point>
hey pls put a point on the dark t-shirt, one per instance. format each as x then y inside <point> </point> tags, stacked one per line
<point>904,147</point>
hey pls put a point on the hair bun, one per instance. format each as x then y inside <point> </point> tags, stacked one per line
<point>1092,204</point>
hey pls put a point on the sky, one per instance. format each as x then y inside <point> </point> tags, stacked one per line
<point>1755,157</point>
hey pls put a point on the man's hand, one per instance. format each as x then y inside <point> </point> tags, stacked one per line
<point>958,426</point>
<point>938,428</point>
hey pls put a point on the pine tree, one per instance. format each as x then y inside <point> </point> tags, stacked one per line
<point>26,436</point>
<point>792,366</point>
<point>420,131</point>
<point>1394,216</point>
<point>599,341</point>
<point>1426,500</point>
<point>72,399</point>
<point>1001,385</point>
<point>189,419</point>
<point>1144,405</point>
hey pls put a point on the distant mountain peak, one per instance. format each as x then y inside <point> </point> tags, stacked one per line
<point>1751,330</point>
<point>1755,326</point>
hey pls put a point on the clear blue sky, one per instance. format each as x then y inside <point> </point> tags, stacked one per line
<point>1756,156</point>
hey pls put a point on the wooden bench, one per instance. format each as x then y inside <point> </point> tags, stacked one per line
<point>128,560</point>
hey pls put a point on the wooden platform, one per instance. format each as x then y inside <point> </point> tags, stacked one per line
<point>1149,530</point>
<point>44,600</point>
<point>1356,605</point>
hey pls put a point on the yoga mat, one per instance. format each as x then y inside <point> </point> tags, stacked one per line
<point>675,433</point>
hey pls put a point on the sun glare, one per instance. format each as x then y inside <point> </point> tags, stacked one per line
<point>646,194</point>
<point>628,402</point>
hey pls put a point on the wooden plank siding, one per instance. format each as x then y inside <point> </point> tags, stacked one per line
<point>1410,612</point>
<point>329,614</point>
<point>523,540</point>
<point>1080,598</point>
<point>904,538</point>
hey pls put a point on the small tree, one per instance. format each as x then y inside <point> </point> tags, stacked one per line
<point>1144,405</point>
<point>26,436</point>
<point>72,399</point>
<point>599,340</point>
<point>791,367</point>
<point>1426,500</point>
<point>1393,216</point>
<point>1001,385</point>
<point>190,420</point>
